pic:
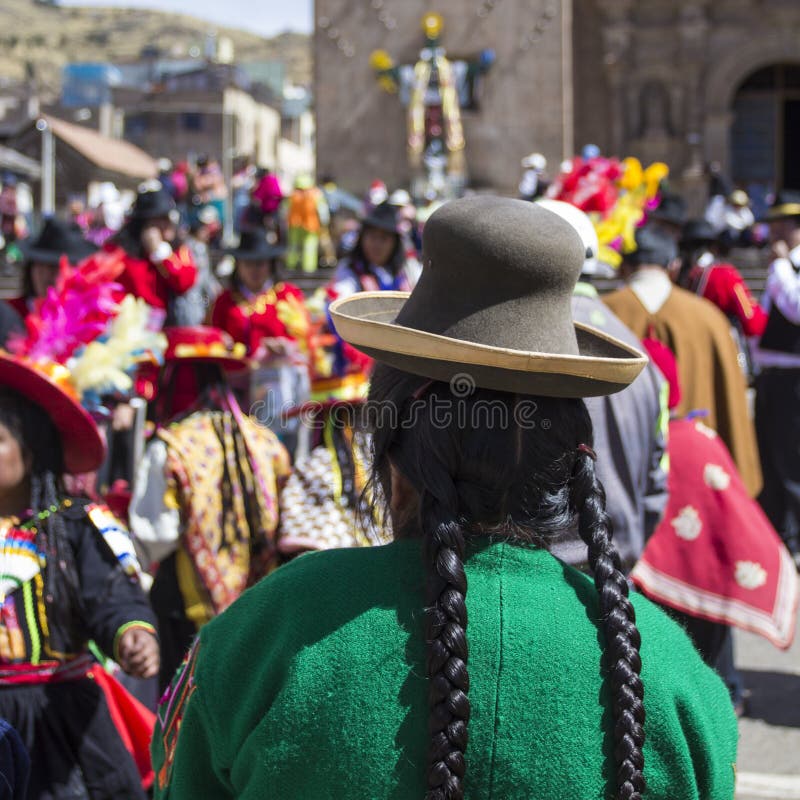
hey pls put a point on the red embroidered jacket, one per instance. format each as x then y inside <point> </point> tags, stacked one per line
<point>156,284</point>
<point>725,288</point>
<point>250,321</point>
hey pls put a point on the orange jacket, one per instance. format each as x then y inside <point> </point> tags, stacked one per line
<point>304,210</point>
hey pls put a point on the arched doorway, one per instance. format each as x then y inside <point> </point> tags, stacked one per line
<point>765,130</point>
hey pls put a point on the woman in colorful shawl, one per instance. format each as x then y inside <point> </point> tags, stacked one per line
<point>204,508</point>
<point>462,659</point>
<point>68,574</point>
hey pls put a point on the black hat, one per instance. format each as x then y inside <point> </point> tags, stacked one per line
<point>493,305</point>
<point>383,216</point>
<point>653,246</point>
<point>153,201</point>
<point>253,246</point>
<point>785,206</point>
<point>698,231</point>
<point>56,239</point>
<point>671,209</point>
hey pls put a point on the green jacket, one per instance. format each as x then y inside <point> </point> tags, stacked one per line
<point>312,685</point>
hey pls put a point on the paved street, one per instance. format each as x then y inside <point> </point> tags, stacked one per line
<point>769,748</point>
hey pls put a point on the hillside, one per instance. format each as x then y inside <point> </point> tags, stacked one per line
<point>48,37</point>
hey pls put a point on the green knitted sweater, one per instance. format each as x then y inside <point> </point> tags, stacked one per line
<point>312,686</point>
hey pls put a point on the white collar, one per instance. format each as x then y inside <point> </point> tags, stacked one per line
<point>652,286</point>
<point>794,256</point>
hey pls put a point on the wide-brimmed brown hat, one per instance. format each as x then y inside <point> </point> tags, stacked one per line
<point>494,304</point>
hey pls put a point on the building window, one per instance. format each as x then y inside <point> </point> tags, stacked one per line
<point>192,121</point>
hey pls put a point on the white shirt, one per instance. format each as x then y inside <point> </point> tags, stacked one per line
<point>156,528</point>
<point>652,286</point>
<point>782,289</point>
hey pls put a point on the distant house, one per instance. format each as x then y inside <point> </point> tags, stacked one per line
<point>180,109</point>
<point>83,155</point>
<point>203,110</point>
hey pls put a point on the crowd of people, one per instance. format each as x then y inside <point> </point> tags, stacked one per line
<point>265,504</point>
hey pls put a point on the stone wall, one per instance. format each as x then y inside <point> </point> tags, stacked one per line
<point>656,79</point>
<point>361,130</point>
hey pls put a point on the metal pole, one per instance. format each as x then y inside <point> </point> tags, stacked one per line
<point>227,172</point>
<point>48,168</point>
<point>567,109</point>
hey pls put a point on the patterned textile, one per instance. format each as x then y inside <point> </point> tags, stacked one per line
<point>320,500</point>
<point>171,709</point>
<point>715,555</point>
<point>226,488</point>
<point>116,536</point>
<point>45,621</point>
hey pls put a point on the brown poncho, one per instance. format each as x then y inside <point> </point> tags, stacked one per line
<point>709,372</point>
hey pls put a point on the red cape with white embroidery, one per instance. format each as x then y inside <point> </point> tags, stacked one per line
<point>715,554</point>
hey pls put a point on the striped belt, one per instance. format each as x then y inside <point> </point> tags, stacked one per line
<point>46,672</point>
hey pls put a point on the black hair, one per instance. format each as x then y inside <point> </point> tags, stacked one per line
<point>274,272</point>
<point>498,477</point>
<point>207,384</point>
<point>396,259</point>
<point>40,444</point>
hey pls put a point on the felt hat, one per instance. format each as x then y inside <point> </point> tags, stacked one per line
<point>204,344</point>
<point>56,239</point>
<point>653,246</point>
<point>49,387</point>
<point>384,217</point>
<point>152,201</point>
<point>698,231</point>
<point>253,246</point>
<point>493,306</point>
<point>785,206</point>
<point>671,209</point>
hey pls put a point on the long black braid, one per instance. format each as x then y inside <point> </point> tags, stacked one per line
<point>525,483</point>
<point>619,623</point>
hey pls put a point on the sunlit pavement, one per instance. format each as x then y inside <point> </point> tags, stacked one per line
<point>769,745</point>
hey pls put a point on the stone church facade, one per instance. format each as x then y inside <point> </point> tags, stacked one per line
<point>687,82</point>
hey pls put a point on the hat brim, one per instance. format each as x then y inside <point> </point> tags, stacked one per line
<point>380,224</point>
<point>53,258</point>
<point>230,365</point>
<point>81,442</point>
<point>257,255</point>
<point>605,365</point>
<point>783,211</point>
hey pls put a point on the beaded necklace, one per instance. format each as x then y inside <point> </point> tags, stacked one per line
<point>32,519</point>
<point>20,558</point>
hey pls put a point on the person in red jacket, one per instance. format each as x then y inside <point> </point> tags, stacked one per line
<point>157,267</point>
<point>256,310</point>
<point>719,281</point>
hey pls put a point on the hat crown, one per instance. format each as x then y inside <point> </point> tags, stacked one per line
<point>55,235</point>
<point>698,230</point>
<point>653,246</point>
<point>56,239</point>
<point>152,201</point>
<point>253,246</point>
<point>383,216</point>
<point>499,272</point>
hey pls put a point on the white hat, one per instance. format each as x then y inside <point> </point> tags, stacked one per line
<point>585,229</point>
<point>535,161</point>
<point>399,197</point>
